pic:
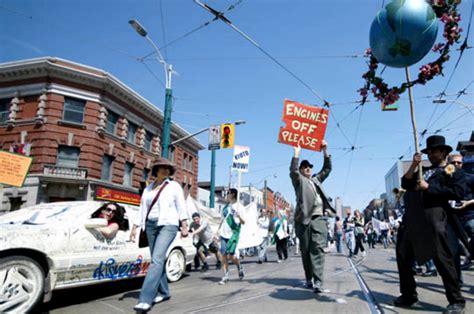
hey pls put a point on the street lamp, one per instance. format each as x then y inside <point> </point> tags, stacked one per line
<point>165,141</point>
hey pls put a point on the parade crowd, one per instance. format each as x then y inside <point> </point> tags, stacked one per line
<point>432,227</point>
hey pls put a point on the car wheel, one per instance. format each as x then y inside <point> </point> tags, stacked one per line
<point>21,284</point>
<point>175,265</point>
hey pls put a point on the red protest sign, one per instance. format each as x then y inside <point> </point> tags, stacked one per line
<point>304,125</point>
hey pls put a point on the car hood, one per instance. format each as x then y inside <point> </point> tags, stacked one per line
<point>45,237</point>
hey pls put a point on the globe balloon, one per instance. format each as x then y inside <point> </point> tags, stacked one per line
<point>403,32</point>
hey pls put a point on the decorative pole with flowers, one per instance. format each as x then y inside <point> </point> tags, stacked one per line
<point>401,35</point>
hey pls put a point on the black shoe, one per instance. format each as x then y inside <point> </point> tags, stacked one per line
<point>308,284</point>
<point>259,261</point>
<point>218,265</point>
<point>431,273</point>
<point>402,301</point>
<point>266,259</point>
<point>318,287</point>
<point>204,268</point>
<point>466,265</point>
<point>455,308</point>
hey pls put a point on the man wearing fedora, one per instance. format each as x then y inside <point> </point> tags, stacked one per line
<point>423,233</point>
<point>311,205</point>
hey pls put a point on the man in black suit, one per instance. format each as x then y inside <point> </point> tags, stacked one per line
<point>423,232</point>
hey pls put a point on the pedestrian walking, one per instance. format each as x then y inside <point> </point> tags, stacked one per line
<point>384,228</point>
<point>263,224</point>
<point>349,237</point>
<point>338,232</point>
<point>371,235</point>
<point>310,225</point>
<point>229,229</point>
<point>280,235</point>
<point>162,208</point>
<point>423,231</point>
<point>359,232</point>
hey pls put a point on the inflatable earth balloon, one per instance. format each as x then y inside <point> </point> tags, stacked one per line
<point>403,32</point>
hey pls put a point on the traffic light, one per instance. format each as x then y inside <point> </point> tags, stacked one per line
<point>227,135</point>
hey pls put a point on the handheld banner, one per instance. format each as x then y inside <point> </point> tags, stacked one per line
<point>14,168</point>
<point>304,125</point>
<point>240,161</point>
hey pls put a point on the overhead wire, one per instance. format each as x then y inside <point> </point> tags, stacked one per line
<point>163,28</point>
<point>231,7</point>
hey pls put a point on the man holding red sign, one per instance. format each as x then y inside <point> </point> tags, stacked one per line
<point>311,206</point>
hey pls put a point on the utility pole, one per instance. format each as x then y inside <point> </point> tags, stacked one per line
<point>213,178</point>
<point>265,194</point>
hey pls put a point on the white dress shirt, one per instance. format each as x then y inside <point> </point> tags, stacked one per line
<point>170,207</point>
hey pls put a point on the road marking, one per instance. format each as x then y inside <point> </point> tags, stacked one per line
<point>374,308</point>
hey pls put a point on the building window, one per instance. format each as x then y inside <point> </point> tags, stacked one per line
<point>148,139</point>
<point>128,174</point>
<point>132,132</point>
<point>146,174</point>
<point>185,161</point>
<point>107,162</point>
<point>74,110</point>
<point>68,156</point>
<point>171,156</point>
<point>190,163</point>
<point>112,119</point>
<point>4,110</point>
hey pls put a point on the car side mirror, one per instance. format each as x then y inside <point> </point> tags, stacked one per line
<point>95,223</point>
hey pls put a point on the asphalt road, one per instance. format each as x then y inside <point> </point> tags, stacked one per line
<point>363,285</point>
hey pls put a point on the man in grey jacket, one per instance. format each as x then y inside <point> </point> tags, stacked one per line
<point>311,205</point>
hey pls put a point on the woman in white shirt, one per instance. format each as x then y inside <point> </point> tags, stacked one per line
<point>161,222</point>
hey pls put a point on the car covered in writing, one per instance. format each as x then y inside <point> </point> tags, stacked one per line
<point>59,245</point>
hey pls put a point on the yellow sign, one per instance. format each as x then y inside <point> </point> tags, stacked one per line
<point>14,168</point>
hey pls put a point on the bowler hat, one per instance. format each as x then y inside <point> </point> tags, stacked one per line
<point>436,141</point>
<point>162,162</point>
<point>306,163</point>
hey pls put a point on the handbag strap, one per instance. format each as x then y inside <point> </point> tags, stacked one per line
<point>155,199</point>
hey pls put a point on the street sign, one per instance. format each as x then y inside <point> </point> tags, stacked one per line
<point>305,125</point>
<point>214,137</point>
<point>241,159</point>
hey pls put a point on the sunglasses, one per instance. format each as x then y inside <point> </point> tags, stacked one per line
<point>456,162</point>
<point>110,210</point>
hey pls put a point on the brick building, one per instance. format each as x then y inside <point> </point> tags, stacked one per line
<point>90,135</point>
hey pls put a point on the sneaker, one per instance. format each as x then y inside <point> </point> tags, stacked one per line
<point>259,261</point>
<point>224,280</point>
<point>308,284</point>
<point>364,254</point>
<point>142,307</point>
<point>241,273</point>
<point>160,299</point>
<point>204,268</point>
<point>402,301</point>
<point>279,261</point>
<point>431,273</point>
<point>466,265</point>
<point>218,265</point>
<point>318,287</point>
<point>455,308</point>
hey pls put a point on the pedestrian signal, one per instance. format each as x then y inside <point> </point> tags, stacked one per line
<point>227,135</point>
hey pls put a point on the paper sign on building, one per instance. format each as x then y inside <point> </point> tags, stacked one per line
<point>241,159</point>
<point>304,125</point>
<point>14,168</point>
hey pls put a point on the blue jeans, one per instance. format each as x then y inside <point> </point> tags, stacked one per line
<point>156,282</point>
<point>339,242</point>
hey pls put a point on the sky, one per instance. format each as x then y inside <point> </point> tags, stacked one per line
<point>220,77</point>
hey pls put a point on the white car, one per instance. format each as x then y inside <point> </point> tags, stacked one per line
<point>56,246</point>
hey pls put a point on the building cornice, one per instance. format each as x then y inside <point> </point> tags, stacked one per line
<point>30,69</point>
